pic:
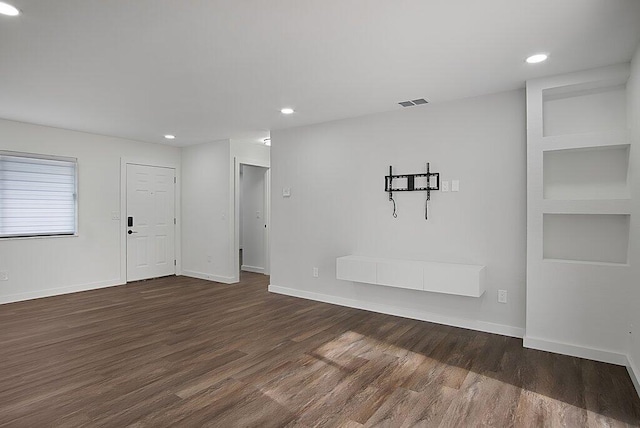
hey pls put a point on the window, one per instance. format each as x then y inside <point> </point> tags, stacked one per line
<point>37,195</point>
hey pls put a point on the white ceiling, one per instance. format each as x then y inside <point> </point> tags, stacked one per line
<point>211,69</point>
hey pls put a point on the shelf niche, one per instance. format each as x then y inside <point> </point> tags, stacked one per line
<point>596,238</point>
<point>586,174</point>
<point>576,109</point>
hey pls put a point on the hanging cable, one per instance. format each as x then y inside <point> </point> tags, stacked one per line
<point>388,185</point>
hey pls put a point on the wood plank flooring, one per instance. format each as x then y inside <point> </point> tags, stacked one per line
<point>181,352</point>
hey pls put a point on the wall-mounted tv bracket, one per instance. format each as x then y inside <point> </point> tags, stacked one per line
<point>427,186</point>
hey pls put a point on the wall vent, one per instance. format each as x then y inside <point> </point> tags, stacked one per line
<point>414,102</point>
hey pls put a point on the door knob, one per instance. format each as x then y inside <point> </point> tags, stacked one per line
<point>131,231</point>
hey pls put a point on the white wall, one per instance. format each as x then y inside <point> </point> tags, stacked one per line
<point>40,267</point>
<point>209,225</point>
<point>633,121</point>
<point>247,153</point>
<point>338,206</point>
<point>205,211</point>
<point>250,151</point>
<point>252,218</point>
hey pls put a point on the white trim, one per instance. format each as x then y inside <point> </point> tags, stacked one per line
<point>49,292</point>
<point>267,219</point>
<point>39,156</point>
<point>634,373</point>
<point>253,269</point>
<point>124,161</point>
<point>209,277</point>
<point>575,351</point>
<point>487,327</point>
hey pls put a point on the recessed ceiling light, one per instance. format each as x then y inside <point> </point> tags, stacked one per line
<point>7,9</point>
<point>170,137</point>
<point>286,110</point>
<point>534,59</point>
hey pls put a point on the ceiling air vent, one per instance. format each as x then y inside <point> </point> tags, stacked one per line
<point>414,102</point>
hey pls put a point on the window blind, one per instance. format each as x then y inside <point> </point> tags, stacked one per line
<point>37,195</point>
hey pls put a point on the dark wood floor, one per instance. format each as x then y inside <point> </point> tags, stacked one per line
<point>187,353</point>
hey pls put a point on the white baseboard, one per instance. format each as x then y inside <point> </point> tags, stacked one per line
<point>39,294</point>
<point>253,269</point>
<point>484,326</point>
<point>634,373</point>
<point>576,351</point>
<point>209,277</point>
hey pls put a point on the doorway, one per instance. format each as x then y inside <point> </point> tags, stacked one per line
<point>250,249</point>
<point>150,222</point>
<point>252,218</point>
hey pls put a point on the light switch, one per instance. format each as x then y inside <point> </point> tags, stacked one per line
<point>445,186</point>
<point>286,192</point>
<point>455,185</point>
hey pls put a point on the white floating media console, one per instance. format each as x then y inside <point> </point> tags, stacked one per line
<point>448,278</point>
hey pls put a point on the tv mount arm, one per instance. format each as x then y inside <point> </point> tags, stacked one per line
<point>410,186</point>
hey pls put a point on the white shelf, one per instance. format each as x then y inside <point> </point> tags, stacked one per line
<point>447,278</point>
<point>591,206</point>
<point>582,108</point>
<point>593,173</point>
<point>599,238</point>
<point>617,137</point>
<point>581,262</point>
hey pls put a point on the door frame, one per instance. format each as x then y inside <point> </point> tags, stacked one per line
<point>123,211</point>
<point>235,244</point>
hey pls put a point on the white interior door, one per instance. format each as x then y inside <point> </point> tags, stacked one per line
<point>150,221</point>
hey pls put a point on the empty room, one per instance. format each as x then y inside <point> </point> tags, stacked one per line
<point>319,213</point>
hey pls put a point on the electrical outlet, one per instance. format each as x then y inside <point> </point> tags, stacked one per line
<point>455,185</point>
<point>502,296</point>
<point>4,276</point>
<point>315,272</point>
<point>115,215</point>
<point>208,259</point>
<point>445,186</point>
<point>286,192</point>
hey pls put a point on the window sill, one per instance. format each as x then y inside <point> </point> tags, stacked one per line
<point>20,238</point>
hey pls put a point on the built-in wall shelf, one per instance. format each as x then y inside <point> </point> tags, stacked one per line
<point>581,262</point>
<point>585,107</point>
<point>615,137</point>
<point>448,278</point>
<point>593,173</point>
<point>600,206</point>
<point>578,208</point>
<point>601,238</point>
